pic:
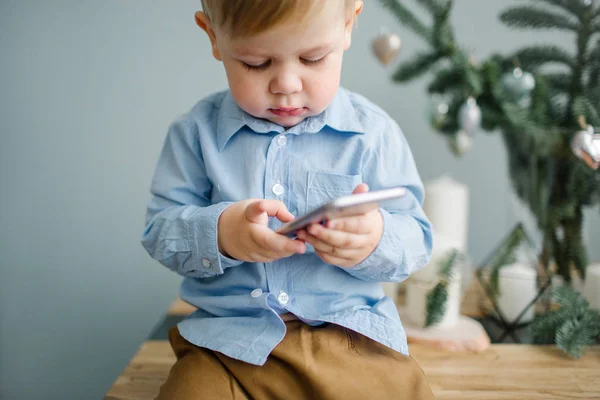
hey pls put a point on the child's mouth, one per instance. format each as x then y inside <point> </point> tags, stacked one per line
<point>287,112</point>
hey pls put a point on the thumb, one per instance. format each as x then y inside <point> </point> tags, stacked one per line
<point>362,188</point>
<point>259,211</point>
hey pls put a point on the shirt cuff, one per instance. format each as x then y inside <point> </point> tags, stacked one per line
<point>390,261</point>
<point>207,260</point>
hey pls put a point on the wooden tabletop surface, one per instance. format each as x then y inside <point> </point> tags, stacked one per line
<point>502,372</point>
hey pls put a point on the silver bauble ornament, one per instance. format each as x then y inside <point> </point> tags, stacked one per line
<point>437,112</point>
<point>517,86</point>
<point>386,47</point>
<point>461,143</point>
<point>469,116</point>
<point>586,146</point>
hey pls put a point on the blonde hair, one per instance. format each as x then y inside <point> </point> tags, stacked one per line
<point>251,17</point>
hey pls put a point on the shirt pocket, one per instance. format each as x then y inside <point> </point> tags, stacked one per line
<point>324,187</point>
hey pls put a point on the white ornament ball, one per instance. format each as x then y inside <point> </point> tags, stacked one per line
<point>469,116</point>
<point>461,143</point>
<point>437,112</point>
<point>386,47</point>
<point>586,146</point>
<point>518,86</point>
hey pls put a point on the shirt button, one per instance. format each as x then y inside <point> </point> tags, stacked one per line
<point>283,298</point>
<point>206,262</point>
<point>277,189</point>
<point>256,293</point>
<point>281,141</point>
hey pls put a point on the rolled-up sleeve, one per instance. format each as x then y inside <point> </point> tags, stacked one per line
<point>406,243</point>
<point>181,229</point>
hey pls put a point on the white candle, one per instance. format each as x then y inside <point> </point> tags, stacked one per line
<point>517,286</point>
<point>446,205</point>
<point>591,286</point>
<point>423,281</point>
<point>416,303</point>
<point>442,248</point>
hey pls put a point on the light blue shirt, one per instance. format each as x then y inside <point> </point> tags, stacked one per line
<point>216,154</point>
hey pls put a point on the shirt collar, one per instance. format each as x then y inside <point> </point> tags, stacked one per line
<point>340,115</point>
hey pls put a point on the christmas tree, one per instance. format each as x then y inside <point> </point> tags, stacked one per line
<point>542,116</point>
<point>546,116</point>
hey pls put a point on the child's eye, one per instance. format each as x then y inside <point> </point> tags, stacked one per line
<point>311,62</point>
<point>259,67</point>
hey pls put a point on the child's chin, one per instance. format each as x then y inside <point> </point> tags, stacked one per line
<point>287,122</point>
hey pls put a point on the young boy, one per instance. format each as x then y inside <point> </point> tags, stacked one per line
<point>280,318</point>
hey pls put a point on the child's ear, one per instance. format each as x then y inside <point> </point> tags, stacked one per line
<point>204,22</point>
<point>358,7</point>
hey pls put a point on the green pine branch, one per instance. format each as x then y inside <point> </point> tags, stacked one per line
<point>584,106</point>
<point>446,271</point>
<point>574,337</point>
<point>595,26</point>
<point>575,7</point>
<point>547,324</point>
<point>559,81</point>
<point>435,7</point>
<point>533,57</point>
<point>532,17</point>
<point>437,298</point>
<point>595,95</point>
<point>574,326</point>
<point>436,304</point>
<point>491,118</point>
<point>534,134</point>
<point>416,67</point>
<point>446,80</point>
<point>407,18</point>
<point>569,298</point>
<point>541,106</point>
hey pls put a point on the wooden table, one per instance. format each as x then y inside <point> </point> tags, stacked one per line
<point>502,372</point>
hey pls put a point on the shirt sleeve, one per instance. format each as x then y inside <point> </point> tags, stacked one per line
<point>406,243</point>
<point>181,223</point>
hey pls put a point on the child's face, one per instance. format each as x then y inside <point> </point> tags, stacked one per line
<point>290,72</point>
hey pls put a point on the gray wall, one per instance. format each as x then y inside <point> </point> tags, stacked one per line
<point>87,91</point>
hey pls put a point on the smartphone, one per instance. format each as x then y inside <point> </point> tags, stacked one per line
<point>345,206</point>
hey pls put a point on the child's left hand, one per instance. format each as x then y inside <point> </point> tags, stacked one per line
<point>346,241</point>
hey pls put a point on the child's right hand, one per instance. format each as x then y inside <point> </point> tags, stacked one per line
<point>244,233</point>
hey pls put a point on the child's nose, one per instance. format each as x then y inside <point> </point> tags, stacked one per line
<point>286,83</point>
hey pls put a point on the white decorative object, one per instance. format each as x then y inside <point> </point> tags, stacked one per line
<point>423,281</point>
<point>469,116</point>
<point>386,47</point>
<point>460,143</point>
<point>416,300</point>
<point>586,146</point>
<point>447,207</point>
<point>518,86</point>
<point>591,286</point>
<point>517,286</point>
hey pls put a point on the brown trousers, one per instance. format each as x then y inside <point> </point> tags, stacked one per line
<point>325,362</point>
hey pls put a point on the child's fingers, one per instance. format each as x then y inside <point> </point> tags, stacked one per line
<point>273,208</point>
<point>360,224</point>
<point>336,238</point>
<point>334,260</point>
<point>275,244</point>
<point>326,248</point>
<point>361,188</point>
